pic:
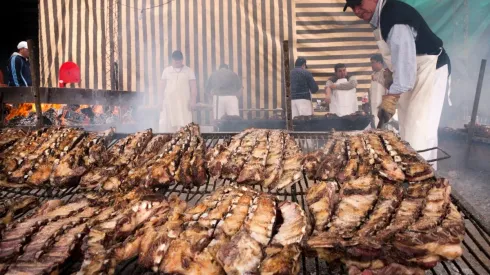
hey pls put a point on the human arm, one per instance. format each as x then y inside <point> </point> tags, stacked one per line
<point>312,83</point>
<point>16,70</point>
<point>351,84</point>
<point>401,41</point>
<point>328,91</point>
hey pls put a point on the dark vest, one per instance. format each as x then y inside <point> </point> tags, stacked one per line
<point>395,12</point>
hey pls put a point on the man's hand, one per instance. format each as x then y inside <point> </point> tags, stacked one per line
<point>333,86</point>
<point>328,99</point>
<point>387,108</point>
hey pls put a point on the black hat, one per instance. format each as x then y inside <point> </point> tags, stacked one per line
<point>300,62</point>
<point>352,3</point>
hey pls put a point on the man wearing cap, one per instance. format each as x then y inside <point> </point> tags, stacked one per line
<point>302,85</point>
<point>420,66</point>
<point>179,94</point>
<point>18,68</point>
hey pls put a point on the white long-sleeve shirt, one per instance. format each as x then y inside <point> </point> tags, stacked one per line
<point>401,41</point>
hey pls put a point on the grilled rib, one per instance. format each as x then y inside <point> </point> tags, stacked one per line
<point>15,236</point>
<point>321,199</point>
<point>293,228</point>
<point>260,221</point>
<point>292,168</point>
<point>216,165</point>
<point>281,260</point>
<point>242,255</point>
<point>253,170</point>
<point>231,169</point>
<point>273,166</point>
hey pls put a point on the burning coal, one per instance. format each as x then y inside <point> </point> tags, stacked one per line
<point>67,115</point>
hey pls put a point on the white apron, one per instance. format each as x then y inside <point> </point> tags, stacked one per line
<point>176,113</point>
<point>343,102</point>
<point>376,93</point>
<point>417,114</point>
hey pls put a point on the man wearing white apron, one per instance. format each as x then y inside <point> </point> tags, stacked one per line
<point>340,90</point>
<point>420,66</point>
<point>179,95</point>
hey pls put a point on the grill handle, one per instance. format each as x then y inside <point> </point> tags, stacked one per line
<point>446,155</point>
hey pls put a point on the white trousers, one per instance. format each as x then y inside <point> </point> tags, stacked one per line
<point>426,110</point>
<point>227,105</point>
<point>301,107</point>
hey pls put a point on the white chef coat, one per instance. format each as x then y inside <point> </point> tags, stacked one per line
<point>343,102</point>
<point>176,112</point>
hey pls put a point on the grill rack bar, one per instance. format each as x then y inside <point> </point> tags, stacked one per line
<point>475,260</point>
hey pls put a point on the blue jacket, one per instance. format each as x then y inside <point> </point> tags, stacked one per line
<point>19,71</point>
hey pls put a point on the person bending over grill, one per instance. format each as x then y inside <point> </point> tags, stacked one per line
<point>302,85</point>
<point>179,95</point>
<point>340,91</point>
<point>225,86</point>
<point>420,66</point>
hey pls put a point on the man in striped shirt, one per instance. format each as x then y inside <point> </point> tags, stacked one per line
<point>18,68</point>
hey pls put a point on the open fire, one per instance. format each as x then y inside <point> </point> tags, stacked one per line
<point>69,115</point>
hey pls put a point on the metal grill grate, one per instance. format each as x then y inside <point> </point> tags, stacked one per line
<point>476,244</point>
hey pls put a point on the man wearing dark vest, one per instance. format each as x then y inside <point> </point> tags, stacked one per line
<point>420,66</point>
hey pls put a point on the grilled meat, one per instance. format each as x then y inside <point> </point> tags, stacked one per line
<point>293,227</point>
<point>9,136</point>
<point>10,208</point>
<point>253,170</point>
<point>77,161</point>
<point>275,156</point>
<point>242,255</point>
<point>231,170</point>
<point>321,199</point>
<point>261,219</point>
<point>128,148</point>
<point>15,236</point>
<point>281,260</point>
<point>216,165</point>
<point>153,148</point>
<point>292,168</point>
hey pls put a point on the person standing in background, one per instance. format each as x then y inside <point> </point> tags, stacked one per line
<point>179,94</point>
<point>378,88</point>
<point>302,85</point>
<point>340,91</point>
<point>225,86</point>
<point>18,67</point>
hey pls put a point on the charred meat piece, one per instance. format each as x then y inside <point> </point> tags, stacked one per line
<point>408,211</point>
<point>275,156</point>
<point>236,218</point>
<point>261,219</point>
<point>153,148</point>
<point>314,159</point>
<point>253,170</point>
<point>281,260</point>
<point>321,199</point>
<point>10,208</point>
<point>15,236</point>
<point>231,170</point>
<point>216,165</point>
<point>9,136</point>
<point>74,164</point>
<point>293,227</point>
<point>95,178</point>
<point>388,200</point>
<point>436,203</point>
<point>45,238</point>
<point>442,243</point>
<point>242,255</point>
<point>292,166</point>
<point>127,149</point>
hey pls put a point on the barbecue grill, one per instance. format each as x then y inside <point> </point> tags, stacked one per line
<point>476,245</point>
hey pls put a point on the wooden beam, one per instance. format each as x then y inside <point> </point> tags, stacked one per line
<point>476,104</point>
<point>289,120</point>
<point>16,95</point>
<point>34,65</point>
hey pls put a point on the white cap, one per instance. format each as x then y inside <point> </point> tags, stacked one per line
<point>22,45</point>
